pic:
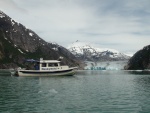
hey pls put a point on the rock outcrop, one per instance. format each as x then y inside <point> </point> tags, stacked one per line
<point>140,60</point>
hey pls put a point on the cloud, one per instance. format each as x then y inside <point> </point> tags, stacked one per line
<point>123,25</point>
<point>10,5</point>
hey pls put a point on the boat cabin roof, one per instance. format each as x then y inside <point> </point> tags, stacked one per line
<point>49,61</point>
<point>42,61</point>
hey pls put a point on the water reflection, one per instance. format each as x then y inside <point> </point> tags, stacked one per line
<point>139,72</point>
<point>142,89</point>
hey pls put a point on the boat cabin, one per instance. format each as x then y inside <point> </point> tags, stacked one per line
<point>49,65</point>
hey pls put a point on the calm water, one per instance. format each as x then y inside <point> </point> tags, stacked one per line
<point>86,92</point>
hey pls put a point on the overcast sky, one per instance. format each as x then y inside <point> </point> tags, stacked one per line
<point>123,25</point>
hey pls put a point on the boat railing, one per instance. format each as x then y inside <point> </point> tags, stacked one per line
<point>64,67</point>
<point>54,68</point>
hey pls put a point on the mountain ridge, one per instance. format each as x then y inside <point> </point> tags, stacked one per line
<point>86,51</point>
<point>18,43</point>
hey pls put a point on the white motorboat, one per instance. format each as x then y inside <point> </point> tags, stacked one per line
<point>46,68</point>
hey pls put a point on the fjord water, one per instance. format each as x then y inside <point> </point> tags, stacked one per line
<point>85,92</point>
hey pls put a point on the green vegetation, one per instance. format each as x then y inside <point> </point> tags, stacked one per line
<point>7,49</point>
<point>140,60</point>
<point>11,54</point>
<point>36,55</point>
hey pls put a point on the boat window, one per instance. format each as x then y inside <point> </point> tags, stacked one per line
<point>43,64</point>
<point>36,66</point>
<point>55,64</point>
<point>52,64</point>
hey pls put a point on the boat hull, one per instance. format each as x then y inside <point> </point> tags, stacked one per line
<point>68,72</point>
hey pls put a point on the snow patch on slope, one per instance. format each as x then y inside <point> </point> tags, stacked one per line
<point>31,34</point>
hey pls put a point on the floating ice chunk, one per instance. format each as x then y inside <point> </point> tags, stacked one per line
<point>40,92</point>
<point>53,91</point>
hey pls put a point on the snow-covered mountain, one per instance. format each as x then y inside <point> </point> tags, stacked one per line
<point>86,51</point>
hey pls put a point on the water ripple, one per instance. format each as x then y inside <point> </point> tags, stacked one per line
<point>87,92</point>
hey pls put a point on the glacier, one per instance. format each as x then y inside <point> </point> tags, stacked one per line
<point>106,65</point>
